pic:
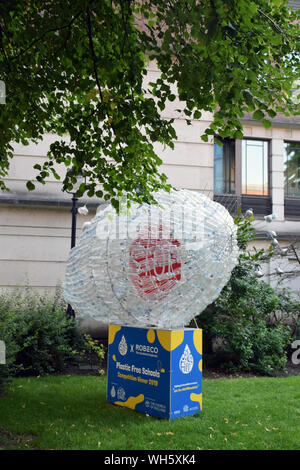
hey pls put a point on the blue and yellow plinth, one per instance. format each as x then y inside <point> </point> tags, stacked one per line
<point>155,371</point>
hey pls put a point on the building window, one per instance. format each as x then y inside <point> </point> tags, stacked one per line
<point>224,167</point>
<point>241,175</point>
<point>292,169</point>
<point>255,167</point>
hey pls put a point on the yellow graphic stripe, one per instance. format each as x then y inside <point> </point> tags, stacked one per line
<point>170,339</point>
<point>177,339</point>
<point>151,336</point>
<point>164,337</point>
<point>198,340</point>
<point>131,402</point>
<point>113,329</point>
<point>197,397</point>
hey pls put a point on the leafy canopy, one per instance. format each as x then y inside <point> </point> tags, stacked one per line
<point>76,68</point>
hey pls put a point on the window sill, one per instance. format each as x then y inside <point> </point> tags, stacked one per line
<point>261,205</point>
<point>292,208</point>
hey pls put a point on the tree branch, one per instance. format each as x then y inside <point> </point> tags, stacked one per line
<point>294,250</point>
<point>3,50</point>
<point>47,32</point>
<point>271,21</point>
<point>89,25</point>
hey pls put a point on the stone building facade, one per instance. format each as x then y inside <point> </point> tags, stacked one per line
<point>261,171</point>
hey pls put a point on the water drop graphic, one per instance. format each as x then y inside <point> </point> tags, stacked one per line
<point>186,361</point>
<point>123,346</point>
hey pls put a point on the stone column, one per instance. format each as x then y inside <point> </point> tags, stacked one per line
<point>277,178</point>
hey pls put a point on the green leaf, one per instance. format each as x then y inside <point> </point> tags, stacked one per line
<point>267,124</point>
<point>227,63</point>
<point>258,115</point>
<point>238,134</point>
<point>271,113</point>
<point>30,186</point>
<point>80,191</point>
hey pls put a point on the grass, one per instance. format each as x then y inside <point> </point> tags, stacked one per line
<point>71,412</point>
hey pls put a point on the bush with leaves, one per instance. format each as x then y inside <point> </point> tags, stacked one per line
<point>239,320</point>
<point>40,338</point>
<point>95,353</point>
<point>8,335</point>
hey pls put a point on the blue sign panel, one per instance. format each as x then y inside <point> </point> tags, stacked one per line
<point>158,372</point>
<point>186,375</point>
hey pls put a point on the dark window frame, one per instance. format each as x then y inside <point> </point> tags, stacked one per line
<point>261,204</point>
<point>228,182</point>
<point>291,203</point>
<point>253,139</point>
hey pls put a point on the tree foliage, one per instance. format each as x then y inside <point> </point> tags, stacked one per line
<point>76,68</point>
<point>242,320</point>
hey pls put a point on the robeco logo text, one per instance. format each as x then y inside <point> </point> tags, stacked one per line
<point>144,348</point>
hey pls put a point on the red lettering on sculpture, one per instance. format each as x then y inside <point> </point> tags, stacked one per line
<point>155,265</point>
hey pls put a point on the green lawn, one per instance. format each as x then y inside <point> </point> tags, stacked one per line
<point>71,412</point>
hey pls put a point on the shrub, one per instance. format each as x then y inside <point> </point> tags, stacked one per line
<point>289,314</point>
<point>240,323</point>
<point>40,338</point>
<point>239,320</point>
<point>7,334</point>
<point>94,352</point>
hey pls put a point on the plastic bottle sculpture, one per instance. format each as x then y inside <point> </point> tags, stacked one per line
<point>152,265</point>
